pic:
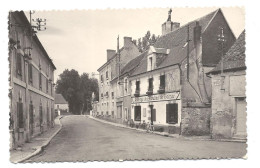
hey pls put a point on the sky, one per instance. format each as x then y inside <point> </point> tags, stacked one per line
<point>78,39</point>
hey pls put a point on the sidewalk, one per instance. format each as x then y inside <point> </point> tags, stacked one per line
<point>201,138</point>
<point>36,145</point>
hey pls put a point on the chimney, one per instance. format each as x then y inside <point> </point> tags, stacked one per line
<point>169,26</point>
<point>127,42</point>
<point>110,53</point>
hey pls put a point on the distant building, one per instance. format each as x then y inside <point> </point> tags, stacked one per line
<point>109,105</point>
<point>228,118</point>
<point>60,103</point>
<point>169,88</point>
<point>31,82</point>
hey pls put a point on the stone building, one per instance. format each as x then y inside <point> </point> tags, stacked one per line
<point>31,82</point>
<point>108,83</point>
<point>170,87</point>
<point>228,118</point>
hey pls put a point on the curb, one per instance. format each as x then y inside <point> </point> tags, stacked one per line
<point>40,148</point>
<point>170,135</point>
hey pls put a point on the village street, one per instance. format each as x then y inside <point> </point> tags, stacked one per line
<point>84,139</point>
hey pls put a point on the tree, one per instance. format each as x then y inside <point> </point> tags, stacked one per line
<point>145,42</point>
<point>77,90</point>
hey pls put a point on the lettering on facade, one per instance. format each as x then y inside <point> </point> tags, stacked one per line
<point>161,97</point>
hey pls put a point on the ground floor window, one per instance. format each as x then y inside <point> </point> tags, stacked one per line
<point>172,113</point>
<point>137,116</point>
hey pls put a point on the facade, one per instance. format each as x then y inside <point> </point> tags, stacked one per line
<point>31,82</point>
<point>228,118</point>
<point>170,88</point>
<point>108,83</point>
<point>60,103</point>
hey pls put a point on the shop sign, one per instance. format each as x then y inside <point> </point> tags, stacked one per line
<point>159,97</point>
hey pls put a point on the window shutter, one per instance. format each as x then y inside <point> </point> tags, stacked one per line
<point>154,114</point>
<point>167,113</point>
<point>20,114</point>
<point>175,113</point>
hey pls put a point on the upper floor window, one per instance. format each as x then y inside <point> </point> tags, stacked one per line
<point>19,64</point>
<point>30,76</point>
<point>106,94</point>
<point>106,74</point>
<point>150,86</point>
<point>162,84</point>
<point>112,94</point>
<point>137,88</point>
<point>101,78</point>
<point>40,81</point>
<point>101,95</point>
<point>47,85</point>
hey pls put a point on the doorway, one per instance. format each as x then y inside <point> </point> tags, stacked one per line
<point>241,117</point>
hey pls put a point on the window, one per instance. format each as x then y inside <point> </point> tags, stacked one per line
<point>101,95</point>
<point>106,74</point>
<point>19,64</point>
<point>151,63</point>
<point>40,81</point>
<point>41,115</point>
<point>112,94</point>
<point>113,104</point>
<point>112,113</point>
<point>47,86</point>
<point>51,88</point>
<point>30,76</point>
<point>172,113</point>
<point>150,87</point>
<point>20,114</point>
<point>137,116</point>
<point>101,78</point>
<point>106,94</point>
<point>125,86</point>
<point>107,113</point>
<point>162,84</point>
<point>137,84</point>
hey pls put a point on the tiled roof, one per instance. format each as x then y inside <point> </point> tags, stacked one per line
<point>235,57</point>
<point>132,64</point>
<point>59,99</point>
<point>175,41</point>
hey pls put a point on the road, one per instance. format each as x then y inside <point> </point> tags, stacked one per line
<point>84,139</point>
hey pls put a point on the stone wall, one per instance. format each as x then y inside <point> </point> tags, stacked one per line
<point>195,121</point>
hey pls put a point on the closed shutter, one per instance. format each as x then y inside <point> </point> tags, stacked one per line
<point>154,114</point>
<point>167,112</point>
<point>172,113</point>
<point>19,64</point>
<point>20,114</point>
<point>137,113</point>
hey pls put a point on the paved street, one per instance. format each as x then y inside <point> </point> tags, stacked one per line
<point>84,139</point>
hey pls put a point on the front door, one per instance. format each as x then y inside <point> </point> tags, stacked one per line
<point>241,117</point>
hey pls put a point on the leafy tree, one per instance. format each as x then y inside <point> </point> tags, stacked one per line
<point>77,90</point>
<point>145,42</point>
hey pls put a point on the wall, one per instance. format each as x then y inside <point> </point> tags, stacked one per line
<point>29,93</point>
<point>195,121</point>
<point>223,119</point>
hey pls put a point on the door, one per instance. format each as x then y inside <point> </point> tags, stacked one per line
<point>241,117</point>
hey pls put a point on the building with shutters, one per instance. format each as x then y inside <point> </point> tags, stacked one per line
<point>169,88</point>
<point>31,82</point>
<point>110,105</point>
<point>228,118</point>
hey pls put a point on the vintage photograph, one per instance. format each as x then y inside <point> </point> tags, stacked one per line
<point>127,84</point>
